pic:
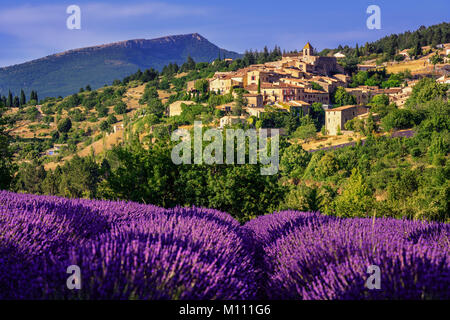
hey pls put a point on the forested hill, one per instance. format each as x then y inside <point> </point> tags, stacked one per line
<point>424,36</point>
<point>64,73</point>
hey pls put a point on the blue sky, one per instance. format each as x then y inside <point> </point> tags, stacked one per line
<point>33,29</point>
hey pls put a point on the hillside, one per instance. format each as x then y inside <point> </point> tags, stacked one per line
<point>64,73</point>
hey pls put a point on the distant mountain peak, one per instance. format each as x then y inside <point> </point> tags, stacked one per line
<point>65,72</point>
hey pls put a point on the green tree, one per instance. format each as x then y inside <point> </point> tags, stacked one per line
<point>239,104</point>
<point>356,200</point>
<point>9,100</point>
<point>426,90</point>
<point>6,166</point>
<point>64,125</point>
<point>120,108</point>
<point>23,99</point>
<point>305,132</point>
<point>303,198</point>
<point>156,107</point>
<point>436,59</point>
<point>111,119</point>
<point>104,125</point>
<point>294,161</point>
<point>398,119</point>
<point>202,85</point>
<point>29,178</point>
<point>79,178</point>
<point>242,191</point>
<point>340,97</point>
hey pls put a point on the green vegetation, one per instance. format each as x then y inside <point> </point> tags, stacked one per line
<point>387,48</point>
<point>385,176</point>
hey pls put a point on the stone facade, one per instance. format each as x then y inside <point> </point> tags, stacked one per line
<point>336,118</point>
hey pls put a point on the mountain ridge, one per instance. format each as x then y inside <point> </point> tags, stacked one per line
<point>65,72</point>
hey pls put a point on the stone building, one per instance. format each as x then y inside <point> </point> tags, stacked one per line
<point>336,118</point>
<point>254,100</point>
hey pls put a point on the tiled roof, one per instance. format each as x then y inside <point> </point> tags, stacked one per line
<point>342,108</point>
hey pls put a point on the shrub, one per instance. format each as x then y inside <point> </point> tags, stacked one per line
<point>64,125</point>
<point>120,108</point>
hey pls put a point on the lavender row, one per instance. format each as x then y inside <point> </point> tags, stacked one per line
<point>309,256</point>
<point>124,250</point>
<point>127,250</point>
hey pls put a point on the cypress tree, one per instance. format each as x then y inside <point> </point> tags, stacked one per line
<point>9,100</point>
<point>16,102</point>
<point>23,99</point>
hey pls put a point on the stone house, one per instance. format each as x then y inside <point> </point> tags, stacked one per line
<point>336,118</point>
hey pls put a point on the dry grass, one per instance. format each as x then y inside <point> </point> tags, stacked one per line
<point>329,141</point>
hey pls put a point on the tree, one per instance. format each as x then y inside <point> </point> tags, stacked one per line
<point>326,166</point>
<point>316,86</point>
<point>242,191</point>
<point>426,90</point>
<point>360,78</point>
<point>101,110</point>
<point>79,178</point>
<point>357,51</point>
<point>156,107</point>
<point>398,119</point>
<point>16,102</point>
<point>292,123</point>
<point>202,85</point>
<point>9,100</point>
<point>350,64</point>
<point>239,104</point>
<point>340,97</point>
<point>120,108</point>
<point>294,161</point>
<point>305,132</point>
<point>417,51</point>
<point>318,114</point>
<point>104,125</point>
<point>303,198</point>
<point>111,119</point>
<point>150,93</point>
<point>64,125</point>
<point>34,96</point>
<point>371,126</point>
<point>6,166</point>
<point>436,59</point>
<point>23,99</point>
<point>356,200</point>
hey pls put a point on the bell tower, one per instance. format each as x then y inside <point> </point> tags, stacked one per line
<point>308,50</point>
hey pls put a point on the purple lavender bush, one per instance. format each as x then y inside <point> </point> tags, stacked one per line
<point>309,256</point>
<point>124,251</point>
<point>127,250</point>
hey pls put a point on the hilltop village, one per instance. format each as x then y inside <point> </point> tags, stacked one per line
<point>295,83</point>
<point>313,99</point>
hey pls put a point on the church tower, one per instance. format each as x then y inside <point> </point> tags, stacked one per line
<point>308,50</point>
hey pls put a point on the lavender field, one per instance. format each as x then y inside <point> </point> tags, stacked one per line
<point>134,251</point>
